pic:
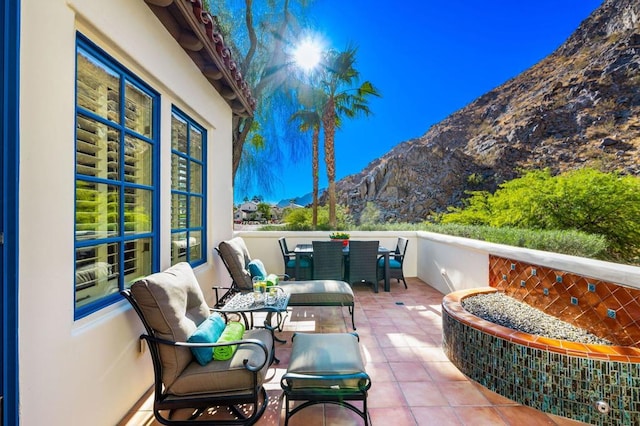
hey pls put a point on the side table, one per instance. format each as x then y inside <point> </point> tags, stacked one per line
<point>245,303</point>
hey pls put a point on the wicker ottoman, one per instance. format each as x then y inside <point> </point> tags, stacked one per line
<point>326,369</point>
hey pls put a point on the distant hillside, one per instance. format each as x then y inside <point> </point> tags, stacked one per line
<point>304,200</point>
<point>578,107</point>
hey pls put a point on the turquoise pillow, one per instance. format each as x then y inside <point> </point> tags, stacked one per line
<point>208,331</point>
<point>256,269</point>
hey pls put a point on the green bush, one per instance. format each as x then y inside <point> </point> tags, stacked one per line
<point>569,242</point>
<point>585,200</point>
<point>301,219</point>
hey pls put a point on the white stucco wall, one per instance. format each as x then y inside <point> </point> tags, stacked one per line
<point>445,262</point>
<point>448,267</point>
<point>451,263</point>
<point>90,371</point>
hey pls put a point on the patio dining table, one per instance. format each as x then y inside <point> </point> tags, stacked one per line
<point>307,250</point>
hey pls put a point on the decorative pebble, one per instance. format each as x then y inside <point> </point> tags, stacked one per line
<point>508,312</point>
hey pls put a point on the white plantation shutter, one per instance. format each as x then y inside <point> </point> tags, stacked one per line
<point>115,183</point>
<point>188,169</point>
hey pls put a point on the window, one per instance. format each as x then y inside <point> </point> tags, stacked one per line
<point>116,179</point>
<point>188,202</point>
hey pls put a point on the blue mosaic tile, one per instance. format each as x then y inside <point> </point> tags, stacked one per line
<point>546,291</point>
<point>552,382</point>
<point>611,313</point>
<point>558,278</point>
<point>574,300</point>
<point>591,287</point>
<point>523,283</point>
<point>513,266</point>
<point>534,272</point>
<point>504,277</point>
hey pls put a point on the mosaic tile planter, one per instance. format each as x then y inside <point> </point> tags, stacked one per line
<point>557,377</point>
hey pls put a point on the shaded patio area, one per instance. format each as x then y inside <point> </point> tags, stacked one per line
<point>413,382</point>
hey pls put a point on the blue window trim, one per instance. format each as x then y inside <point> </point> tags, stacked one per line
<point>126,76</point>
<point>9,125</point>
<point>203,229</point>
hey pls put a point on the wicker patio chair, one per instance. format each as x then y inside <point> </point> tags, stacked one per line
<point>289,258</point>
<point>396,262</point>
<point>328,260</point>
<point>362,262</point>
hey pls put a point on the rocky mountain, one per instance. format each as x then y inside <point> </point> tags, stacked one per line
<point>578,107</point>
<point>303,200</point>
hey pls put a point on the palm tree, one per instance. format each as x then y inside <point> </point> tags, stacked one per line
<point>338,78</point>
<point>311,119</point>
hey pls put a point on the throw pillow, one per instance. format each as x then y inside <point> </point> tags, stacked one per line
<point>232,332</point>
<point>208,331</point>
<point>272,279</point>
<point>257,269</point>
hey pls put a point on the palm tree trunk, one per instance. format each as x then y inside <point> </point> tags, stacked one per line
<point>315,166</point>
<point>329,122</point>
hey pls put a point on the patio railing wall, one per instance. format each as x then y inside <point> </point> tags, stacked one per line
<point>445,262</point>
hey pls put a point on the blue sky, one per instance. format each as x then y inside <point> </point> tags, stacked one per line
<point>428,58</point>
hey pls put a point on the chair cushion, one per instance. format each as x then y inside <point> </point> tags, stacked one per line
<point>236,254</point>
<point>257,269</point>
<point>173,305</point>
<point>208,331</point>
<point>393,264</point>
<point>302,263</point>
<point>225,376</point>
<point>318,293</point>
<point>325,354</point>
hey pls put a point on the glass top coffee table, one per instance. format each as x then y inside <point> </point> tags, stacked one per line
<point>246,303</point>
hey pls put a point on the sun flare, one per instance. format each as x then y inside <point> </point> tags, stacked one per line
<point>307,54</point>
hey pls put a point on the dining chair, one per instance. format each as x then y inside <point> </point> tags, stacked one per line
<point>396,261</point>
<point>289,258</point>
<point>327,260</point>
<point>362,262</point>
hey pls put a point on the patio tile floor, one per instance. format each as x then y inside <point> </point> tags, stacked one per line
<point>413,382</point>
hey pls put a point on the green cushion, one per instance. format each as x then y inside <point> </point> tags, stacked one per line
<point>207,332</point>
<point>272,279</point>
<point>233,331</point>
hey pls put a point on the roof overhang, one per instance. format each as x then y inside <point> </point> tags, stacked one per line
<point>196,32</point>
